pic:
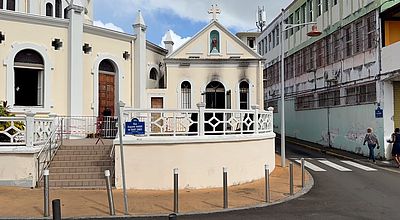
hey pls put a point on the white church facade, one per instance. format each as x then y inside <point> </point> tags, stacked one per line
<point>58,65</point>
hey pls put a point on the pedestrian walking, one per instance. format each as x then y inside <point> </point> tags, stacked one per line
<point>372,141</point>
<point>396,146</point>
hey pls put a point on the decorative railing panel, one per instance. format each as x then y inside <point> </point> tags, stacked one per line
<point>12,131</point>
<point>42,130</point>
<point>160,122</point>
<point>166,122</point>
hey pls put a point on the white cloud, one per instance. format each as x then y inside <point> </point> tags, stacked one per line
<point>237,14</point>
<point>110,26</point>
<point>178,40</point>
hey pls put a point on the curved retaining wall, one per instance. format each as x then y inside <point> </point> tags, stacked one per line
<point>149,161</point>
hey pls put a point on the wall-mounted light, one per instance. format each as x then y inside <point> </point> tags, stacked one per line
<point>87,48</point>
<point>2,37</point>
<point>126,55</point>
<point>57,44</point>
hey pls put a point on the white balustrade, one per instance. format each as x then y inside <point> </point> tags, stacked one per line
<point>201,121</point>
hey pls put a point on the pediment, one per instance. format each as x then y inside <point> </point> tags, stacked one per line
<point>214,42</point>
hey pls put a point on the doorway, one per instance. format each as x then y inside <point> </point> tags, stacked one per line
<point>106,88</point>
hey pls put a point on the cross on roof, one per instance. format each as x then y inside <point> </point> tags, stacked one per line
<point>214,10</point>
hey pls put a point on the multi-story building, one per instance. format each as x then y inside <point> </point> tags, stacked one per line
<point>337,84</point>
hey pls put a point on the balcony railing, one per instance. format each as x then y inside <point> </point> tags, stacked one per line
<point>201,121</point>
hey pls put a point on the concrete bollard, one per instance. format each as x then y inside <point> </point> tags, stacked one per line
<point>46,196</point>
<point>176,188</point>
<point>172,216</point>
<point>56,205</point>
<point>267,186</point>
<point>107,174</point>
<point>225,186</point>
<point>291,177</point>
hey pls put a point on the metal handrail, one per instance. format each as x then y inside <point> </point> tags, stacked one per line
<point>48,146</point>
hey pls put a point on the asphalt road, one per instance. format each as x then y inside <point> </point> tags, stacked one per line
<point>355,194</point>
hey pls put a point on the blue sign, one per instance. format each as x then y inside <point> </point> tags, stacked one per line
<point>134,127</point>
<point>379,113</point>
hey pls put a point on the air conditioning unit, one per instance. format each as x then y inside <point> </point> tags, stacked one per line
<point>331,76</point>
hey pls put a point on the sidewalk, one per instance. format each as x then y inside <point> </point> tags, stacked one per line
<point>387,165</point>
<point>17,202</point>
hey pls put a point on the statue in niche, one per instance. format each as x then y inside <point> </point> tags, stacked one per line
<point>214,44</point>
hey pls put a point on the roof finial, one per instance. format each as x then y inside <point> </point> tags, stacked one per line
<point>214,10</point>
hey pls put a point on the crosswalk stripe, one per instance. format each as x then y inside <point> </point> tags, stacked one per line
<point>351,163</point>
<point>335,166</point>
<point>311,166</point>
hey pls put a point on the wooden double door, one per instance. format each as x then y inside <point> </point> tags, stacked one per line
<point>106,94</point>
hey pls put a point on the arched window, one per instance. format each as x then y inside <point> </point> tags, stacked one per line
<point>153,74</point>
<point>244,95</point>
<point>58,8</point>
<point>11,5</point>
<point>186,93</point>
<point>107,66</point>
<point>28,78</point>
<point>49,9</point>
<point>214,42</point>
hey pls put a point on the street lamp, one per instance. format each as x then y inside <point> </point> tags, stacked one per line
<point>313,33</point>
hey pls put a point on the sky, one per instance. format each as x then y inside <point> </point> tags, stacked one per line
<point>183,17</point>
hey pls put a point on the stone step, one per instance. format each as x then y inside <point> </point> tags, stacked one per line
<point>86,147</point>
<point>88,163</point>
<point>87,169</point>
<point>76,176</point>
<point>81,183</point>
<point>80,157</point>
<point>83,152</point>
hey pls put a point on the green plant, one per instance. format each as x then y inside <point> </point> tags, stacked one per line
<point>4,112</point>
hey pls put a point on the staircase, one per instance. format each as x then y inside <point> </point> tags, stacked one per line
<point>81,164</point>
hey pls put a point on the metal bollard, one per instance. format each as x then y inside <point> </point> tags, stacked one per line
<point>176,198</point>
<point>172,216</point>
<point>107,174</point>
<point>225,186</point>
<point>56,204</point>
<point>46,199</point>
<point>291,177</point>
<point>302,173</point>
<point>267,187</point>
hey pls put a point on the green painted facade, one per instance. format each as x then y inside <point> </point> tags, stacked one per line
<point>347,126</point>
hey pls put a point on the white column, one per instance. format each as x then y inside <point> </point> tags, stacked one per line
<point>200,121</point>
<point>256,109</point>
<point>140,73</point>
<point>75,58</point>
<point>30,129</point>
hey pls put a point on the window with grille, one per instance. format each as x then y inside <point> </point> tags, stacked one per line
<point>358,37</point>
<point>277,35</point>
<point>328,49</point>
<point>11,5</point>
<point>305,102</point>
<point>297,61</point>
<point>361,94</point>
<point>269,42</point>
<point>371,28</point>
<point>153,74</point>
<point>330,98</point>
<point>320,53</point>
<point>58,8</point>
<point>273,39</point>
<point>303,13</point>
<point>291,22</point>
<point>186,90</point>
<point>310,17</point>
<point>244,95</point>
<point>49,9</point>
<point>297,19</point>
<point>336,46</point>
<point>319,8</point>
<point>326,5</point>
<point>348,41</point>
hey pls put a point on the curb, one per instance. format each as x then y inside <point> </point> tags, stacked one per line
<point>300,193</point>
